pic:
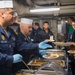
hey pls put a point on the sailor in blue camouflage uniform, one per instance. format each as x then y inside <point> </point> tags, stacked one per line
<point>25,47</point>
<point>7,39</point>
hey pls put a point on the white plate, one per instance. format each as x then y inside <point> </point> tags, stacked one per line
<point>71,52</point>
<point>49,57</point>
<point>49,50</point>
<point>62,44</point>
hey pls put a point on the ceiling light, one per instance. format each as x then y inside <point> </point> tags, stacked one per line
<point>44,9</point>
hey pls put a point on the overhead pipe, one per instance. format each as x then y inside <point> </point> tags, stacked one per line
<point>30,3</point>
<point>24,10</point>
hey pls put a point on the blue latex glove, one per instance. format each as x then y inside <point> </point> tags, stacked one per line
<point>42,52</point>
<point>17,58</point>
<point>44,45</point>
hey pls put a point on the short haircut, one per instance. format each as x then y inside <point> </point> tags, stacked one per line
<point>46,22</point>
<point>72,18</point>
<point>36,24</point>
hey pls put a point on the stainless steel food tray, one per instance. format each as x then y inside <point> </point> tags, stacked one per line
<point>61,62</point>
<point>37,60</point>
<point>57,50</point>
<point>41,72</point>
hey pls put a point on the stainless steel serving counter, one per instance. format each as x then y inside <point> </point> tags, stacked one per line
<point>47,66</point>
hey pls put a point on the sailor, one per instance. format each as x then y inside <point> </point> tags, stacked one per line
<point>24,44</point>
<point>7,38</point>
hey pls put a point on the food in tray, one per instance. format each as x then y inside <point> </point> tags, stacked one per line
<point>61,63</point>
<point>59,42</point>
<point>54,56</point>
<point>38,62</point>
<point>59,53</point>
<point>62,43</point>
<point>71,51</point>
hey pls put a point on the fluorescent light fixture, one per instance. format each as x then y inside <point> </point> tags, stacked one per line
<point>44,9</point>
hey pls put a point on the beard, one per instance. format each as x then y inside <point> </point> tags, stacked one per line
<point>9,22</point>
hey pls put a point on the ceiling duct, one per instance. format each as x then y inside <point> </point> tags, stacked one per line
<point>20,8</point>
<point>30,3</point>
<point>24,10</point>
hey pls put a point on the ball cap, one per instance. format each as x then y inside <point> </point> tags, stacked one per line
<point>26,21</point>
<point>6,4</point>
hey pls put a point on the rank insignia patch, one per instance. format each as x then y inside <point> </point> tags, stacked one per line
<point>3,38</point>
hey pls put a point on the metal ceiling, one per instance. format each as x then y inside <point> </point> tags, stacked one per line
<point>62,2</point>
<point>23,6</point>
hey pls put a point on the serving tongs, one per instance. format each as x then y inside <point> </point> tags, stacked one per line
<point>26,65</point>
<point>33,72</point>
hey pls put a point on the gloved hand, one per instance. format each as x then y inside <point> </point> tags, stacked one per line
<point>44,45</point>
<point>17,58</point>
<point>42,52</point>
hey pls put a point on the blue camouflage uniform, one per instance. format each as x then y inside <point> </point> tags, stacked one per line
<point>26,46</point>
<point>7,45</point>
<point>27,49</point>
